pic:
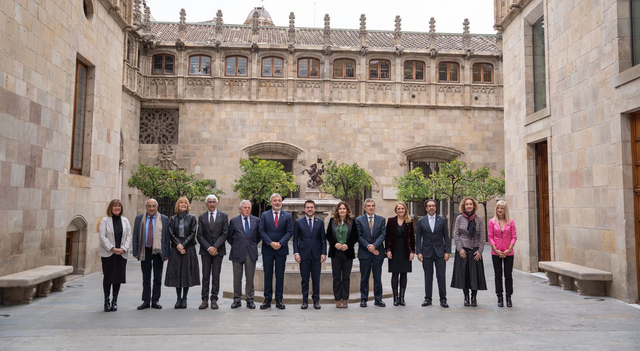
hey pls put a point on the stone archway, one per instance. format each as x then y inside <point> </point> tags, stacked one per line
<point>76,244</point>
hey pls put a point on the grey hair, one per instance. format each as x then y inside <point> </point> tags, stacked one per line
<point>244,202</point>
<point>154,200</point>
<point>366,201</point>
<point>275,195</point>
<point>211,196</point>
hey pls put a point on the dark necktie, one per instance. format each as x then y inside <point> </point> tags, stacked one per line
<point>276,220</point>
<point>211,221</point>
<point>246,226</point>
<point>150,233</point>
<point>310,225</point>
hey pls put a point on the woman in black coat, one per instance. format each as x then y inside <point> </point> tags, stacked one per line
<point>342,236</point>
<point>400,244</point>
<point>183,269</point>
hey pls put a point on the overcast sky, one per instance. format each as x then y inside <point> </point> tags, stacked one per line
<point>449,14</point>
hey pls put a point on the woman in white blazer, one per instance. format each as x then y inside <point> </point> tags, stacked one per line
<point>115,239</point>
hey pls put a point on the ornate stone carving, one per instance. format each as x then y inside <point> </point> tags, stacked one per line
<point>180,45</point>
<point>450,89</point>
<point>308,84</point>
<point>399,50</point>
<point>326,50</point>
<point>414,87</point>
<point>44,289</point>
<point>137,15</point>
<point>219,21</point>
<point>199,81</point>
<point>483,90</point>
<point>235,83</point>
<point>364,50</point>
<point>271,84</point>
<point>158,126</point>
<point>254,47</point>
<point>432,37</point>
<point>327,30</point>
<point>344,85</point>
<point>292,28</point>
<point>397,34</point>
<point>363,25</point>
<point>255,27</point>
<point>167,157</point>
<point>314,174</point>
<point>379,86</point>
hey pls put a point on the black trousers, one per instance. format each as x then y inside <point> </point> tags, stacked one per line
<point>441,270</point>
<point>268,261</point>
<point>366,267</point>
<point>211,266</point>
<point>310,266</point>
<point>341,269</point>
<point>498,264</point>
<point>151,263</point>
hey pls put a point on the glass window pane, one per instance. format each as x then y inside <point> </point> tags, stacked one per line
<point>477,73</point>
<point>78,132</point>
<point>231,66</point>
<point>350,69</point>
<point>385,69</point>
<point>242,66</point>
<point>315,68</point>
<point>194,65</point>
<point>408,70</point>
<point>266,67</point>
<point>442,72</point>
<point>157,64</point>
<point>168,64</point>
<point>277,67</point>
<point>337,69</point>
<point>373,69</point>
<point>453,72</point>
<point>205,65</point>
<point>488,74</point>
<point>539,69</point>
<point>302,68</point>
<point>419,71</point>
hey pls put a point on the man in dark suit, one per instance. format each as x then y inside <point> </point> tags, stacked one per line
<point>433,247</point>
<point>276,229</point>
<point>213,227</point>
<point>244,238</point>
<point>310,252</point>
<point>151,248</point>
<point>371,234</point>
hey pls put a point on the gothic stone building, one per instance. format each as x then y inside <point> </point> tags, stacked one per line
<point>89,88</point>
<point>571,134</point>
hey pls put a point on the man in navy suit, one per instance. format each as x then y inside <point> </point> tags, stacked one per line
<point>213,228</point>
<point>276,229</point>
<point>433,247</point>
<point>310,252</point>
<point>244,238</point>
<point>371,234</point>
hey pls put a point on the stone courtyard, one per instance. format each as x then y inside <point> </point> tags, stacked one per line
<point>543,318</point>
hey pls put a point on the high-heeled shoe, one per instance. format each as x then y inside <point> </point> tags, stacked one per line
<point>401,297</point>
<point>466,299</point>
<point>474,302</point>
<point>500,301</point>
<point>396,300</point>
<point>114,303</point>
<point>107,305</point>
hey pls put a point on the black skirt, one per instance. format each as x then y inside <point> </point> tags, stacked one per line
<point>400,263</point>
<point>467,272</point>
<point>183,271</point>
<point>114,269</point>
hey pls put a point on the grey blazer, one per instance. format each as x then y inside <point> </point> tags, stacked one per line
<point>108,240</point>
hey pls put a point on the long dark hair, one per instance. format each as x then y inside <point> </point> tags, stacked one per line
<point>336,215</point>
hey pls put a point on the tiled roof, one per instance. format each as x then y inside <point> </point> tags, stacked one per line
<point>201,33</point>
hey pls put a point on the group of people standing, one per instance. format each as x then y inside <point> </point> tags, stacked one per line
<point>155,238</point>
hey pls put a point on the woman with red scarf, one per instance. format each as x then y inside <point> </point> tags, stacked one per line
<point>468,268</point>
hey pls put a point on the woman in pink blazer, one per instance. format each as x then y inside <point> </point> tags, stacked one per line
<point>502,237</point>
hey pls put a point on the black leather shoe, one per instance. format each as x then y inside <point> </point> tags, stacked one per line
<point>265,305</point>
<point>396,299</point>
<point>183,303</point>
<point>144,306</point>
<point>500,301</point>
<point>401,298</point>
<point>474,301</point>
<point>379,303</point>
<point>156,306</point>
<point>316,305</point>
<point>251,305</point>
<point>178,304</point>
<point>444,304</point>
<point>236,304</point>
<point>426,303</point>
<point>304,305</point>
<point>466,300</point>
<point>280,305</point>
<point>114,304</point>
<point>363,303</point>
<point>509,304</point>
<point>107,305</point>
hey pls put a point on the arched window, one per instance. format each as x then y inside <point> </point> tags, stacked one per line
<point>163,64</point>
<point>308,68</point>
<point>344,69</point>
<point>379,69</point>
<point>200,65</point>
<point>236,66</point>
<point>482,73</point>
<point>414,71</point>
<point>448,72</point>
<point>272,67</point>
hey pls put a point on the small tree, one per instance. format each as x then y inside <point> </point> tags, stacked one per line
<point>150,180</point>
<point>413,186</point>
<point>345,181</point>
<point>261,178</point>
<point>485,188</point>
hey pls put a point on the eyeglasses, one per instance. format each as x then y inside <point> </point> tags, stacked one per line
<point>211,202</point>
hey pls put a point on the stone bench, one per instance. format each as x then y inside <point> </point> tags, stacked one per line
<point>22,287</point>
<point>569,276</point>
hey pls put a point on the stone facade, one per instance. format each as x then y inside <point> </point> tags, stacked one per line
<point>591,91</point>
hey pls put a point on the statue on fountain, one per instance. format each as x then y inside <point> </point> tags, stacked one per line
<point>314,174</point>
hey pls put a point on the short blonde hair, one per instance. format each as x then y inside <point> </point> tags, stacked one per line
<point>506,211</point>
<point>176,209</point>
<point>464,199</point>
<point>407,218</point>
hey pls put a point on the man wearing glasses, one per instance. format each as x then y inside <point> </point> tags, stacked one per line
<point>213,227</point>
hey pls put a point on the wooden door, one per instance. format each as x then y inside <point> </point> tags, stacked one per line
<point>635,150</point>
<point>544,231</point>
<point>68,252</point>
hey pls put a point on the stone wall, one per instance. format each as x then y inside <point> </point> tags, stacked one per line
<point>590,92</point>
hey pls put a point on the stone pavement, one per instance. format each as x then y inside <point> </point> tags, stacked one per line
<point>543,317</point>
